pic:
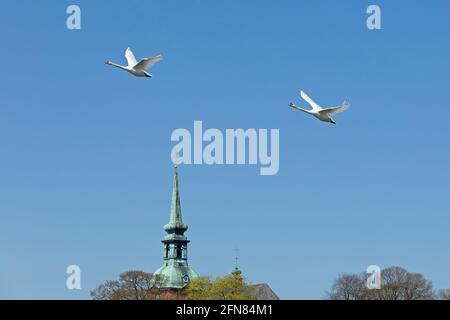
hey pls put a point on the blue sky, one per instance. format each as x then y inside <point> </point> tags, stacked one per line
<point>85,170</point>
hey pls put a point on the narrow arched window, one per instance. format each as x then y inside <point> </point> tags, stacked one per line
<point>167,251</point>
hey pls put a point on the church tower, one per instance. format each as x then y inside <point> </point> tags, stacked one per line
<point>175,271</point>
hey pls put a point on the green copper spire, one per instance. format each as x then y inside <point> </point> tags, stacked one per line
<point>175,272</point>
<point>175,224</point>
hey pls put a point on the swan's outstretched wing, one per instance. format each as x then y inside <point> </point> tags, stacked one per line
<point>330,111</point>
<point>148,62</point>
<point>314,105</point>
<point>130,58</point>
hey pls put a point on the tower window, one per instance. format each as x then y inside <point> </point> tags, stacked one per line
<point>167,251</point>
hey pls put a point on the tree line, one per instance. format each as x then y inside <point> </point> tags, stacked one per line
<point>396,284</point>
<point>140,285</point>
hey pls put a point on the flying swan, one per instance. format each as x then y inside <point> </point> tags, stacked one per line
<point>137,68</point>
<point>318,112</point>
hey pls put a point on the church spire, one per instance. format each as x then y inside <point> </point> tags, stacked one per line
<point>175,271</point>
<point>175,224</point>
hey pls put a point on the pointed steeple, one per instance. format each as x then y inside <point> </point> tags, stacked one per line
<point>175,271</point>
<point>175,224</point>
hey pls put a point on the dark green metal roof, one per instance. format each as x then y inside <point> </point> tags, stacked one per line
<point>175,224</point>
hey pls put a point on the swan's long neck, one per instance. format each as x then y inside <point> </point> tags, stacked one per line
<point>299,108</point>
<point>117,65</point>
<point>304,110</point>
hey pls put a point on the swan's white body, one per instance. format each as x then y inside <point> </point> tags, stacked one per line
<point>137,69</point>
<point>317,111</point>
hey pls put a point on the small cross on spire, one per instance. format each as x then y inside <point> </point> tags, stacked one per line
<point>236,257</point>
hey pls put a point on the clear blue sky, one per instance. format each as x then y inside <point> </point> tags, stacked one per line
<point>85,169</point>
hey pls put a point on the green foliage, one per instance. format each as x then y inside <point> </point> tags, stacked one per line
<point>199,288</point>
<point>229,287</point>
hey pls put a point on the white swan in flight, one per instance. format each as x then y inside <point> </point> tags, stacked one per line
<point>137,68</point>
<point>318,112</point>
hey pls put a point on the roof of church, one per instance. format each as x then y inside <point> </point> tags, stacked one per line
<point>175,276</point>
<point>263,291</point>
